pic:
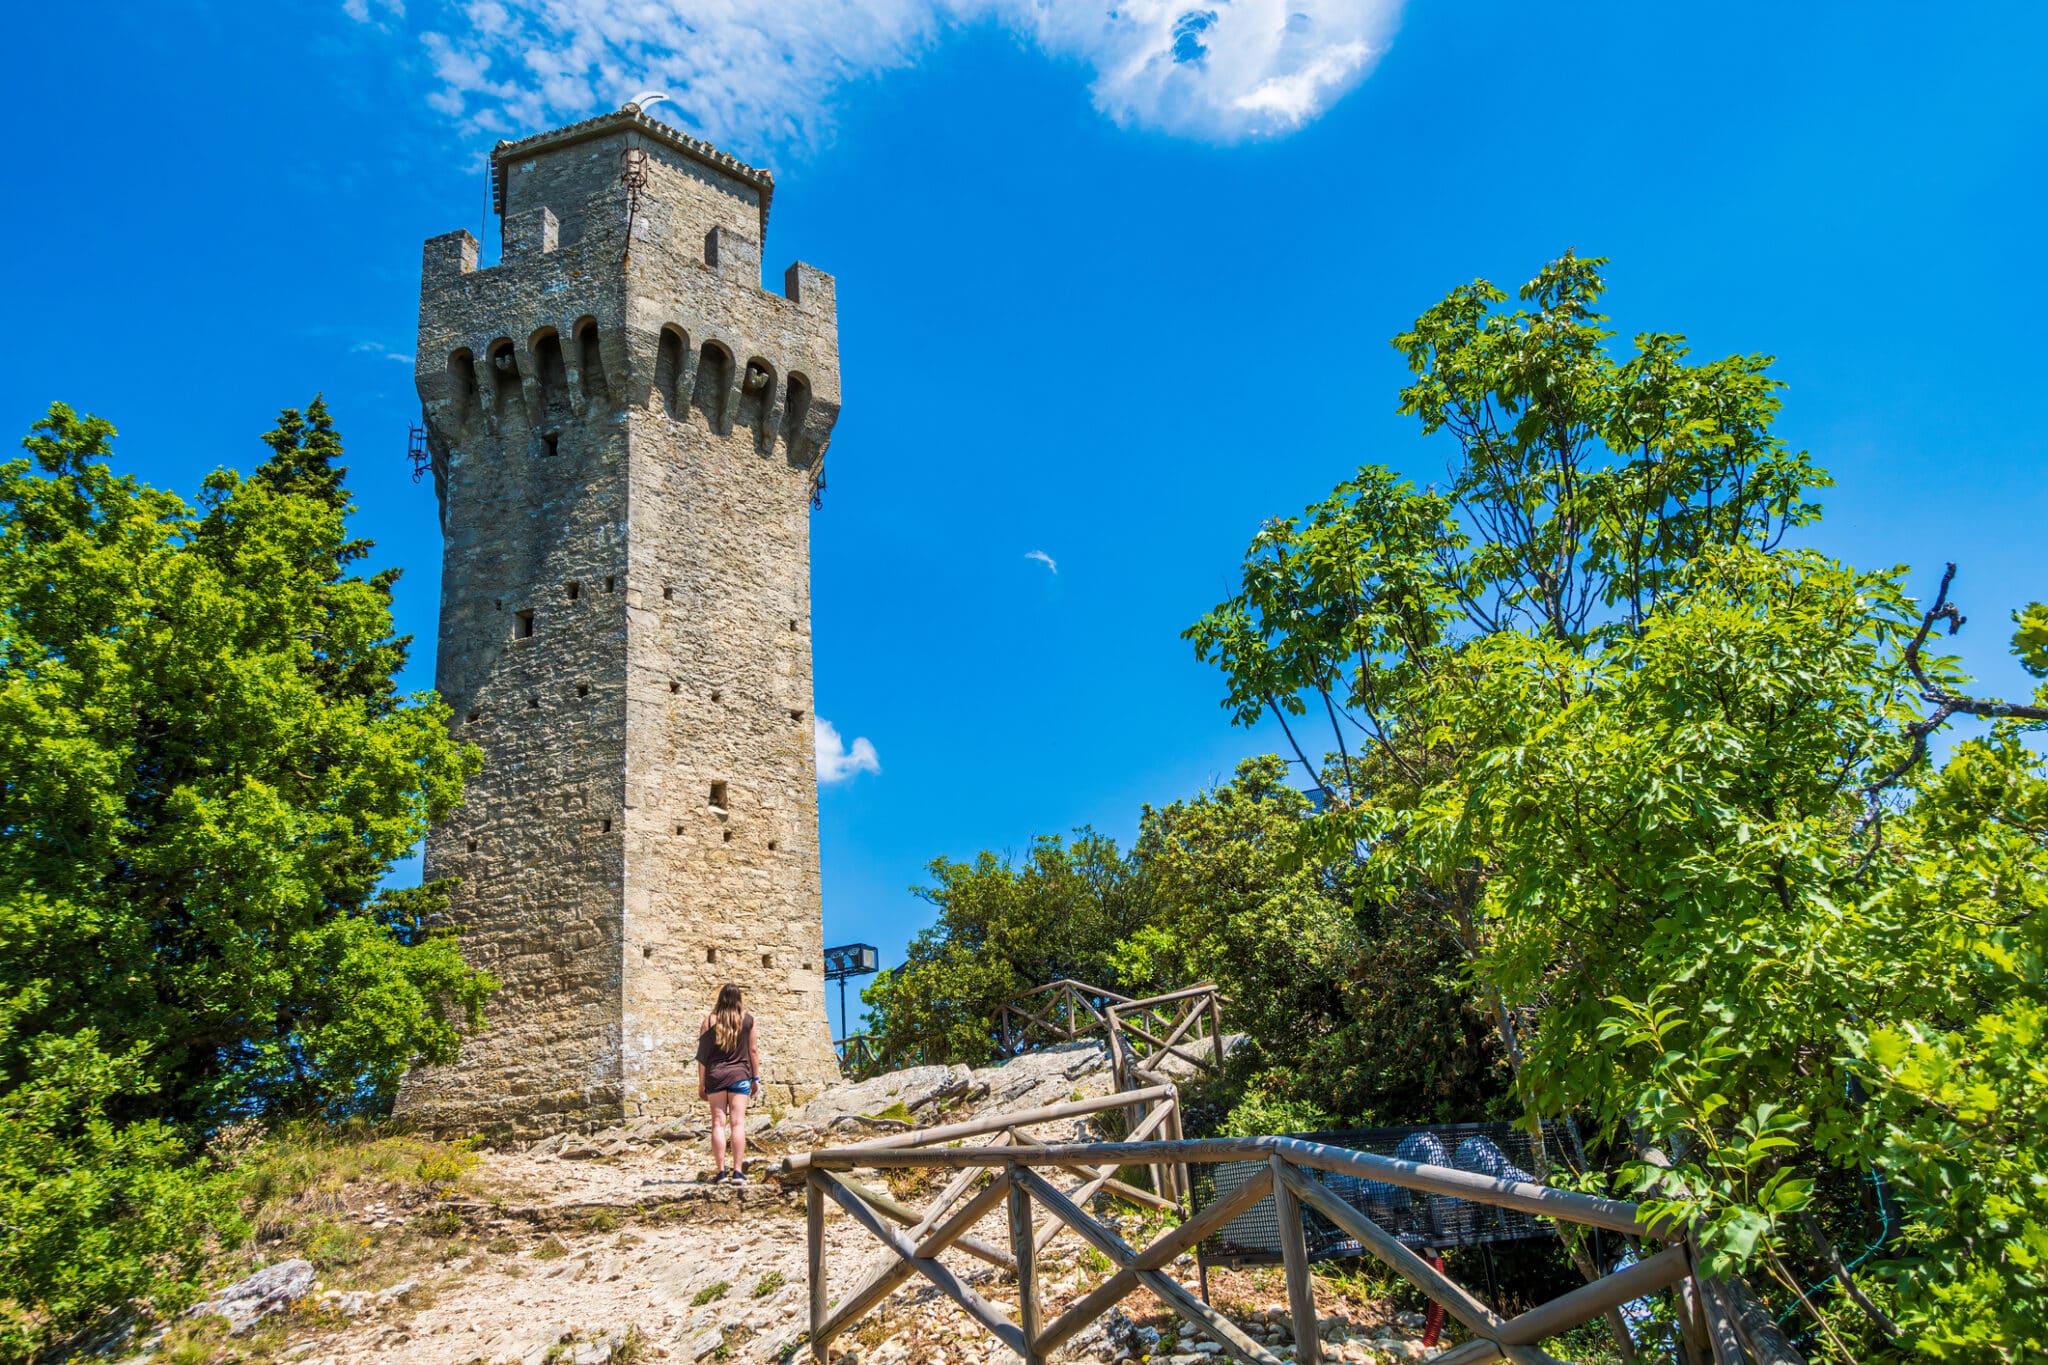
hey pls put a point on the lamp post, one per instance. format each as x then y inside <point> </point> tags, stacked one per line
<point>854,959</point>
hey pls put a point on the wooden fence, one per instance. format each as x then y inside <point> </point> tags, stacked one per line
<point>1012,1173</point>
<point>1186,1024</point>
<point>1062,1011</point>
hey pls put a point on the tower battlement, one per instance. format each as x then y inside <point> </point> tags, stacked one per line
<point>626,433</point>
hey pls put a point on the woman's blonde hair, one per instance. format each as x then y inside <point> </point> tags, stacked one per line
<point>726,1016</point>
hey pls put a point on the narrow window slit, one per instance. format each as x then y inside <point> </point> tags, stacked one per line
<point>525,625</point>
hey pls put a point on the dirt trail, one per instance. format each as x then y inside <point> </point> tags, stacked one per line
<point>611,1247</point>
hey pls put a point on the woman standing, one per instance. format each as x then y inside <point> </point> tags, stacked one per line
<point>728,1071</point>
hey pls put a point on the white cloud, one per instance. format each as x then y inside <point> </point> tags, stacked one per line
<point>837,762</point>
<point>761,76</point>
<point>1043,558</point>
<point>378,348</point>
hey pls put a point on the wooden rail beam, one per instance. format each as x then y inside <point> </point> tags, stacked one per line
<point>1169,1245</point>
<point>1169,1290</point>
<point>1418,1272</point>
<point>981,1127</point>
<point>927,1241</point>
<point>891,1207</point>
<point>1583,1304</point>
<point>951,1285</point>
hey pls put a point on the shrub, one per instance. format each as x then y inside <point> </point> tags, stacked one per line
<point>96,1212</point>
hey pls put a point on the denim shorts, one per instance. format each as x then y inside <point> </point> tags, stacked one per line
<point>736,1088</point>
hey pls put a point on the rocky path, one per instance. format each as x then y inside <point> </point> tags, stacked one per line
<point>611,1247</point>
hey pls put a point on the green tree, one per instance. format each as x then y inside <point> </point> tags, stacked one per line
<point>1662,782</point>
<point>1374,1026</point>
<point>207,771</point>
<point>1003,927</point>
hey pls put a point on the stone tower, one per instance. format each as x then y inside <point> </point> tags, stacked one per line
<point>626,436</point>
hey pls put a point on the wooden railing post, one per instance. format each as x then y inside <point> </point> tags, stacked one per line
<point>814,1248</point>
<point>1024,1247</point>
<point>1216,1028</point>
<point>1301,1293</point>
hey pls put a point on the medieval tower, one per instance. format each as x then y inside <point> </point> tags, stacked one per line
<point>626,436</point>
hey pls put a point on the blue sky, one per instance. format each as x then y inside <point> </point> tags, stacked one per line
<point>1095,303</point>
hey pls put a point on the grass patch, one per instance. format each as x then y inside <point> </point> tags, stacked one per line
<point>550,1250</point>
<point>710,1293</point>
<point>769,1283</point>
<point>316,1190</point>
<point>603,1220</point>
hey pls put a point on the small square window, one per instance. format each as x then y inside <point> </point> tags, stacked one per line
<point>674,688</point>
<point>718,796</point>
<point>711,955</point>
<point>524,628</point>
<point>552,442</point>
<point>767,959</point>
<point>575,591</point>
<point>533,703</point>
<point>582,689</point>
<point>610,582</point>
<point>679,831</point>
<point>472,845</point>
<point>797,716</point>
<point>472,717</point>
<point>714,694</point>
<point>668,594</point>
<point>604,827</point>
<point>771,845</point>
<point>647,950</point>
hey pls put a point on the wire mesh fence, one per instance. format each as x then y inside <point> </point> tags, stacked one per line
<point>1431,1221</point>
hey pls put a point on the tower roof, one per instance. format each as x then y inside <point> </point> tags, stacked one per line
<point>632,117</point>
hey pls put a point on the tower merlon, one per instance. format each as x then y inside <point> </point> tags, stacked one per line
<point>452,253</point>
<point>531,231</point>
<point>810,289</point>
<point>734,254</point>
